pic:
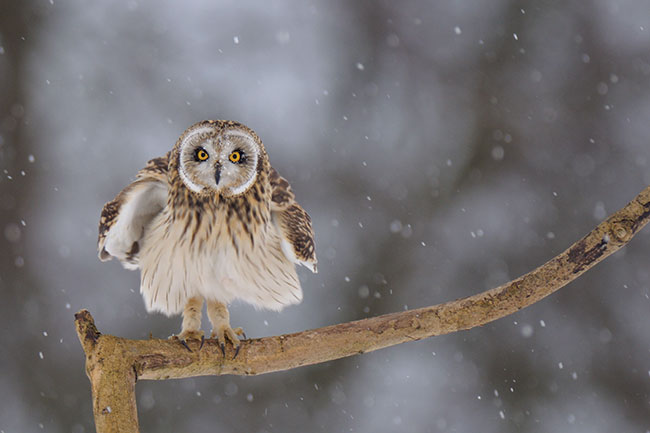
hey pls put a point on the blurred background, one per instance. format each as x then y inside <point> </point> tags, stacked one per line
<point>441,149</point>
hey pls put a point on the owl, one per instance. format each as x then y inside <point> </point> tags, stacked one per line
<point>211,220</point>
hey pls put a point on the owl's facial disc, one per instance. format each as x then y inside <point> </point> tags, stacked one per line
<point>196,157</point>
<point>238,158</point>
<point>225,163</point>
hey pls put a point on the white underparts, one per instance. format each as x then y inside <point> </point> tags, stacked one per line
<point>175,269</point>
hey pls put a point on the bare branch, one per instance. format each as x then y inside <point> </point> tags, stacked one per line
<point>122,360</point>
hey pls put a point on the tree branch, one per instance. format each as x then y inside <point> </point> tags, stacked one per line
<point>113,364</point>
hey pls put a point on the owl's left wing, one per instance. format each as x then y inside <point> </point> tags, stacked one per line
<point>281,194</point>
<point>294,224</point>
<point>123,219</point>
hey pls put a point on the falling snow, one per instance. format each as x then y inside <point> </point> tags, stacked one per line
<point>440,151</point>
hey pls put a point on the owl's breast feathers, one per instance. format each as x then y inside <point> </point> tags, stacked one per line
<point>206,217</point>
<point>269,201</point>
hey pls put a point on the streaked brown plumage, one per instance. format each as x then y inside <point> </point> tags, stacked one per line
<point>210,220</point>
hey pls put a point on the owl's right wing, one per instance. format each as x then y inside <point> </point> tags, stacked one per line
<point>294,223</point>
<point>123,220</point>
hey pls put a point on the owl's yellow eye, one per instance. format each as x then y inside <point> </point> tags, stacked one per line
<point>235,156</point>
<point>201,154</point>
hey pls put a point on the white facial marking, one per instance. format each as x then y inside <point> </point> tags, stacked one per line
<point>242,188</point>
<point>188,182</point>
<point>253,160</point>
<point>182,171</point>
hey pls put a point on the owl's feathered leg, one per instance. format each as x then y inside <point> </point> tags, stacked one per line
<point>220,319</point>
<point>191,327</point>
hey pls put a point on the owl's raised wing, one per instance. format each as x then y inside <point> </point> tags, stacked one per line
<point>123,220</point>
<point>294,223</point>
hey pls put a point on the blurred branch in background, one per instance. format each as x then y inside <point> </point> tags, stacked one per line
<point>114,364</point>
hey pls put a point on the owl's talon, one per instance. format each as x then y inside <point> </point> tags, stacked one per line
<point>202,342</point>
<point>224,333</point>
<point>180,340</point>
<point>236,352</point>
<point>186,335</point>
<point>184,343</point>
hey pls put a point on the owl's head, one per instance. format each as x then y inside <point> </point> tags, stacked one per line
<point>220,157</point>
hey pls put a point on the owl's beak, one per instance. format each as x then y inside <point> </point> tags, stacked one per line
<point>217,173</point>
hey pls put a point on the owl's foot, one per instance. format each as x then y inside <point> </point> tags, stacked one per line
<point>191,328</point>
<point>189,335</point>
<point>223,332</point>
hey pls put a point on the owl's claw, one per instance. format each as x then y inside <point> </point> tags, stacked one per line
<point>189,335</point>
<point>184,343</point>
<point>202,342</point>
<point>223,333</point>
<point>180,340</point>
<point>236,351</point>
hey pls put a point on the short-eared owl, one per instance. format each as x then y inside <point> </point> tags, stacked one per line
<point>210,220</point>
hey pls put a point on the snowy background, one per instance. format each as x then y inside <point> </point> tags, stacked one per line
<point>441,149</point>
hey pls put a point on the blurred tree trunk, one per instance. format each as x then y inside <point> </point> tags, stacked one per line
<point>19,23</point>
<point>13,148</point>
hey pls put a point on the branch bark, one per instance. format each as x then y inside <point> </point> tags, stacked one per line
<point>114,364</point>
